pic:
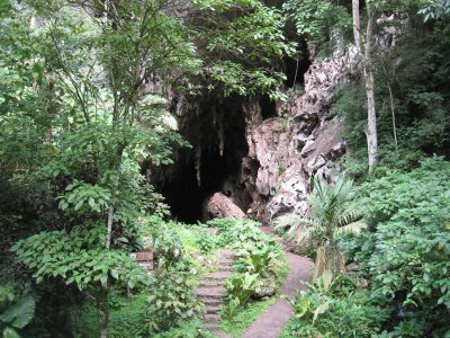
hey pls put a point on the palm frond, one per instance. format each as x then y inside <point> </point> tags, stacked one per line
<point>348,216</point>
<point>355,228</point>
<point>305,236</point>
<point>343,188</point>
<point>293,222</point>
<point>285,221</point>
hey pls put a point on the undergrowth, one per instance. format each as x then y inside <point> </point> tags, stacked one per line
<point>244,318</point>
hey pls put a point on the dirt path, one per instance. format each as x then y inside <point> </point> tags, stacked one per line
<point>273,320</point>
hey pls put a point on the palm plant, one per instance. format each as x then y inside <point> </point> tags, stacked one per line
<point>330,213</point>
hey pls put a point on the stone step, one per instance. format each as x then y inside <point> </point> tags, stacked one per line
<point>218,275</point>
<point>214,293</point>
<point>211,318</point>
<point>212,326</point>
<point>226,254</point>
<point>226,269</point>
<point>212,283</point>
<point>212,302</point>
<point>227,262</point>
<point>212,309</point>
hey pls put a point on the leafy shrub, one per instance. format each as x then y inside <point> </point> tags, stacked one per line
<point>206,241</point>
<point>224,224</point>
<point>250,239</point>
<point>407,254</point>
<point>172,299</point>
<point>166,241</point>
<point>260,263</point>
<point>15,312</point>
<point>243,235</point>
<point>78,257</point>
<point>240,289</point>
<point>191,329</point>
<point>330,309</point>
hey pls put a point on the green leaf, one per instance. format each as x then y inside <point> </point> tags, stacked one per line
<point>92,203</point>
<point>21,313</point>
<point>322,308</point>
<point>10,333</point>
<point>103,279</point>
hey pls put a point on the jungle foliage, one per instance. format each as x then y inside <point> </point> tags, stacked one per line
<point>84,89</point>
<point>396,283</point>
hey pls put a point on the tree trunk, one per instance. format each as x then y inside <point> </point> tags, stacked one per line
<point>328,258</point>
<point>103,311</point>
<point>103,296</point>
<point>364,53</point>
<point>372,138</point>
<point>394,126</point>
<point>109,226</point>
<point>356,25</point>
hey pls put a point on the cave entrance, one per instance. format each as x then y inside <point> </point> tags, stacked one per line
<point>212,165</point>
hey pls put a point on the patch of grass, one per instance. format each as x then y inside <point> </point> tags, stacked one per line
<point>245,317</point>
<point>127,317</point>
<point>286,332</point>
<point>189,238</point>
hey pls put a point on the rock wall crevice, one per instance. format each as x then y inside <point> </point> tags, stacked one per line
<point>304,140</point>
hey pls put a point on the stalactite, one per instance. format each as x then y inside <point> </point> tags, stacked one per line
<point>214,114</point>
<point>198,163</point>
<point>221,132</point>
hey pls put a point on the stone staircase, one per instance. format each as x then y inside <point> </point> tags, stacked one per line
<point>212,288</point>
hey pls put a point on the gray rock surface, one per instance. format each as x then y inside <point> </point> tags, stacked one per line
<point>304,140</point>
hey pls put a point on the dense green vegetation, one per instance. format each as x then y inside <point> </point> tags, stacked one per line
<point>168,307</point>
<point>397,284</point>
<point>78,118</point>
<point>401,287</point>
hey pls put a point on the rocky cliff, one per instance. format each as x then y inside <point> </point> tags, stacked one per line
<point>258,154</point>
<point>303,140</point>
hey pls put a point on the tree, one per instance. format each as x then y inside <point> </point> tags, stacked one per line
<point>330,213</point>
<point>363,43</point>
<point>99,56</point>
<point>240,43</point>
<point>320,22</point>
<point>435,9</point>
<point>91,119</point>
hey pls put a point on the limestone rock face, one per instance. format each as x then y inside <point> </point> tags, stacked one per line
<point>304,140</point>
<point>221,206</point>
<point>287,144</point>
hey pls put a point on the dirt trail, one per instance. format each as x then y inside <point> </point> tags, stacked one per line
<point>269,324</point>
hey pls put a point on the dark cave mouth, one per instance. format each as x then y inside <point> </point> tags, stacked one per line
<point>187,197</point>
<point>214,164</point>
<point>219,171</point>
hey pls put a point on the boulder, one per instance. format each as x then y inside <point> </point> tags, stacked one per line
<point>221,206</point>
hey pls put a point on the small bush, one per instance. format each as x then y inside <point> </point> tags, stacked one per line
<point>240,290</point>
<point>172,299</point>
<point>330,309</point>
<point>206,241</point>
<point>166,242</point>
<point>191,329</point>
<point>243,235</point>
